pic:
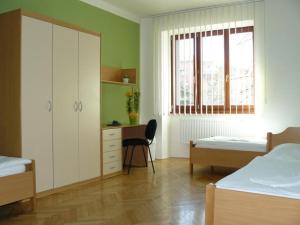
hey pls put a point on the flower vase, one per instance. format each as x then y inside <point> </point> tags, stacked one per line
<point>133,118</point>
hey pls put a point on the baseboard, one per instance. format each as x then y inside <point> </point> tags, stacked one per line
<point>67,187</point>
<point>112,175</point>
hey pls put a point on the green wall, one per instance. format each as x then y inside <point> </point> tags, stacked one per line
<point>119,43</point>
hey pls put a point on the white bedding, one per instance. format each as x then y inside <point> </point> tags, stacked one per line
<point>288,151</point>
<point>269,175</point>
<point>12,165</point>
<point>12,170</point>
<point>232,143</point>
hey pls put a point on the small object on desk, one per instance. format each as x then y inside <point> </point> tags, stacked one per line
<point>114,123</point>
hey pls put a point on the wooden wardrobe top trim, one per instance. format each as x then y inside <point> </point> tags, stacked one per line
<point>57,22</point>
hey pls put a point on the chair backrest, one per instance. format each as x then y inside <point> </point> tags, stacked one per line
<point>151,129</point>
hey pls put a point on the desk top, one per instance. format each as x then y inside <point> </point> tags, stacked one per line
<point>105,127</point>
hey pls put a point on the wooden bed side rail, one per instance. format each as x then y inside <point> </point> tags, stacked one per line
<point>245,208</point>
<point>19,187</point>
<point>209,204</point>
<point>33,198</point>
<point>29,183</point>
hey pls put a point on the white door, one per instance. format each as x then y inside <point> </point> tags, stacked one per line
<point>89,107</point>
<point>36,94</point>
<point>65,106</point>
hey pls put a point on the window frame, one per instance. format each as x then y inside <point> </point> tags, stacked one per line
<point>209,109</point>
<point>190,108</point>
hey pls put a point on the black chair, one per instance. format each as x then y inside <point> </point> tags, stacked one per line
<point>144,142</point>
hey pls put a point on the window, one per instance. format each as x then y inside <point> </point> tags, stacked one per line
<point>213,71</point>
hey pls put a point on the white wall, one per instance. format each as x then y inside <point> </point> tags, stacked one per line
<point>177,149</point>
<point>282,56</point>
<point>282,63</point>
<point>146,78</point>
<point>159,149</point>
<point>146,74</point>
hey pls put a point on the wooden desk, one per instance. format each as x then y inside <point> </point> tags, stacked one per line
<point>135,132</point>
<point>129,131</point>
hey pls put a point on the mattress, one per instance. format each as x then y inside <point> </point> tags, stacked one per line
<point>268,175</point>
<point>232,143</point>
<point>12,165</point>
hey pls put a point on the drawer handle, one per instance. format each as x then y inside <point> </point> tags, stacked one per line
<point>112,156</point>
<point>112,145</point>
<point>111,134</point>
<point>112,167</point>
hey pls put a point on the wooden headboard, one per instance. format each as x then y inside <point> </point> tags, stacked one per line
<point>289,135</point>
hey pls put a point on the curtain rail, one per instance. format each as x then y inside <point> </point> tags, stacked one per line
<point>204,8</point>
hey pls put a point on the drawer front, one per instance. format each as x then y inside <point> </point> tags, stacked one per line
<point>111,134</point>
<point>112,145</point>
<point>112,156</point>
<point>111,167</point>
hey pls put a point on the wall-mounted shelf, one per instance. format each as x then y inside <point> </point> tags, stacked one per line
<point>116,82</point>
<point>113,75</point>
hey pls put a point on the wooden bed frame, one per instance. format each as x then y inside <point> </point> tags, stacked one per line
<point>222,157</point>
<point>228,207</point>
<point>19,187</point>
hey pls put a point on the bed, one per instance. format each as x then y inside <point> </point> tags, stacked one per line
<point>17,180</point>
<point>226,151</point>
<point>265,192</point>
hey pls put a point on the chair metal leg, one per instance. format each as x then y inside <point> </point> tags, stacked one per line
<point>125,156</point>
<point>151,159</point>
<point>145,156</point>
<point>129,166</point>
<point>212,169</point>
<point>191,168</point>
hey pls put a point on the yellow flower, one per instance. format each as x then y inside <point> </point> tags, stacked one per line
<point>129,94</point>
<point>133,115</point>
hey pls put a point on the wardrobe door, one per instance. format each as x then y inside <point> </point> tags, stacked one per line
<point>65,106</point>
<point>89,106</point>
<point>36,98</point>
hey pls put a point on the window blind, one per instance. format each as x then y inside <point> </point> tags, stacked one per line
<point>206,60</point>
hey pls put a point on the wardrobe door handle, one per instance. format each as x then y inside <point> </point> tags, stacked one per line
<point>75,106</point>
<point>49,106</point>
<point>80,106</point>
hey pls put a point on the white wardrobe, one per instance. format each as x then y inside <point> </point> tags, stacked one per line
<point>60,102</point>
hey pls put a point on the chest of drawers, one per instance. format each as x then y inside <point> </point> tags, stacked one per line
<point>111,151</point>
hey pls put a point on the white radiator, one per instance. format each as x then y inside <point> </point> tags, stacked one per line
<point>195,128</point>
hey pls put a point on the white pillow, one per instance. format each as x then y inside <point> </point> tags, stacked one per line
<point>287,151</point>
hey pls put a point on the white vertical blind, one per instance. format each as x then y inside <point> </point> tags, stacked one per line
<point>178,32</point>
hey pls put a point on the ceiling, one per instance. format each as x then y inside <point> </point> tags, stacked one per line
<point>144,8</point>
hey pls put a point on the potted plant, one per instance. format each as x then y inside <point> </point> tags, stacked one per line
<point>125,79</point>
<point>133,100</point>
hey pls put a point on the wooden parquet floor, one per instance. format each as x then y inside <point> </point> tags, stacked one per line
<point>170,197</point>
